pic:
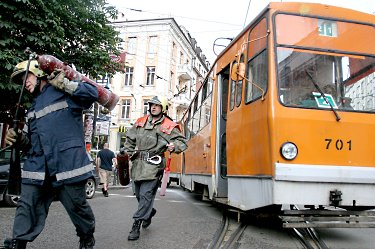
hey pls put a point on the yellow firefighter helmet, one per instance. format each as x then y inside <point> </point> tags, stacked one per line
<point>159,100</point>
<point>20,68</point>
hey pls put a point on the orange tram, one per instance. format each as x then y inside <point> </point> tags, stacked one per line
<point>286,115</point>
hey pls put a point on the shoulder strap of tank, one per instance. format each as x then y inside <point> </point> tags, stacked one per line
<point>141,121</point>
<point>167,126</point>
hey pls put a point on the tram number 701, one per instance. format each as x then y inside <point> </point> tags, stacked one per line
<point>338,144</point>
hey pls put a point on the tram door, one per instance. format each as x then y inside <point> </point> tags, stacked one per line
<point>221,145</point>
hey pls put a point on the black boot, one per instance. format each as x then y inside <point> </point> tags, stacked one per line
<point>87,242</point>
<point>105,192</point>
<point>147,222</point>
<point>134,233</point>
<point>14,244</point>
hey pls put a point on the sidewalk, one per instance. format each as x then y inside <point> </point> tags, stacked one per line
<point>117,186</point>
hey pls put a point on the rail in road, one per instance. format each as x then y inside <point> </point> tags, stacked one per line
<point>228,234</point>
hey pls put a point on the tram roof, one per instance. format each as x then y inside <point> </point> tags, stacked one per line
<point>308,9</point>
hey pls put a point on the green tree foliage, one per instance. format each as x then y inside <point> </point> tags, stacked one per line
<point>74,31</point>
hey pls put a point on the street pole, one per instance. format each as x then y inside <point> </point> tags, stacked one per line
<point>96,107</point>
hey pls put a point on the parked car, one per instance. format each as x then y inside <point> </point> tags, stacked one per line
<point>10,200</point>
<point>93,182</point>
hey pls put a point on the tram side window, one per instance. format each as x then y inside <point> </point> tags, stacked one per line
<point>256,68</point>
<point>206,103</point>
<point>186,122</point>
<point>224,104</point>
<point>205,112</point>
<point>195,105</point>
<point>195,121</point>
<point>190,127</point>
<point>232,90</point>
<point>257,75</point>
<point>239,87</point>
<point>190,120</point>
<point>196,113</point>
<point>201,108</point>
<point>204,91</point>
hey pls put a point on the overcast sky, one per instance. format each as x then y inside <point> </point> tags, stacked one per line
<point>207,20</point>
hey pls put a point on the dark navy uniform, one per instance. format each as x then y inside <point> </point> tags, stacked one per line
<point>57,163</point>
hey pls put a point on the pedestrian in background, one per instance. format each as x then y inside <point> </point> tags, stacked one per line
<point>57,165</point>
<point>105,160</point>
<point>146,141</point>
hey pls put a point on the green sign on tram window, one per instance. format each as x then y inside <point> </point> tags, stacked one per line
<point>322,102</point>
<point>327,28</point>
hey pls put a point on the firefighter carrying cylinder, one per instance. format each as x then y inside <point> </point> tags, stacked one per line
<point>49,63</point>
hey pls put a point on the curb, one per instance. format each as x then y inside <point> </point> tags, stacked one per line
<point>118,186</point>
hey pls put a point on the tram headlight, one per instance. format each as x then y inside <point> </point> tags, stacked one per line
<point>289,151</point>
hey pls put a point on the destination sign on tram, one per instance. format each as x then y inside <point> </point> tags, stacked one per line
<point>327,28</point>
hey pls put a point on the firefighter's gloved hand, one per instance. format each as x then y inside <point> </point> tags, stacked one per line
<point>10,137</point>
<point>58,80</point>
<point>171,147</point>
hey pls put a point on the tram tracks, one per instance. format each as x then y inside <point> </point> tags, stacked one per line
<point>299,224</point>
<point>309,238</point>
<point>228,234</point>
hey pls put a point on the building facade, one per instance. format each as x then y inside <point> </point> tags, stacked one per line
<point>161,59</point>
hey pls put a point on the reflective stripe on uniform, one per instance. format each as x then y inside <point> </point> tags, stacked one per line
<point>30,115</point>
<point>59,176</point>
<point>33,175</point>
<point>74,172</point>
<point>48,109</point>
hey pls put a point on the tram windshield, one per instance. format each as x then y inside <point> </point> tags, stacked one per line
<point>321,70</point>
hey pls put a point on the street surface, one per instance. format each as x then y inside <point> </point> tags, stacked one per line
<point>182,221</point>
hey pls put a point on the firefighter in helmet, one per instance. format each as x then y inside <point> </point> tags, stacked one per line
<point>158,100</point>
<point>57,164</point>
<point>146,141</point>
<point>19,72</point>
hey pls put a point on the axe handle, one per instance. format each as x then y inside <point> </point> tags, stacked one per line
<point>165,179</point>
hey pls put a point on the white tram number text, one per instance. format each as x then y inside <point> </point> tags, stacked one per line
<point>338,144</point>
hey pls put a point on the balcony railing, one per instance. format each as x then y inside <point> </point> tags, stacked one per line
<point>184,72</point>
<point>181,100</point>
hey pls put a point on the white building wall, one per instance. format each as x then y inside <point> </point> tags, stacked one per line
<point>165,62</point>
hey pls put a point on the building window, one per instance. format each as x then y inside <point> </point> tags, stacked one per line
<point>125,109</point>
<point>171,81</point>
<point>128,76</point>
<point>152,45</point>
<point>150,76</point>
<point>145,106</point>
<point>181,58</point>
<point>174,51</point>
<point>132,43</point>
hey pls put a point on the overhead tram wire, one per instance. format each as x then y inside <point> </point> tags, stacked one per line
<point>247,12</point>
<point>185,17</point>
